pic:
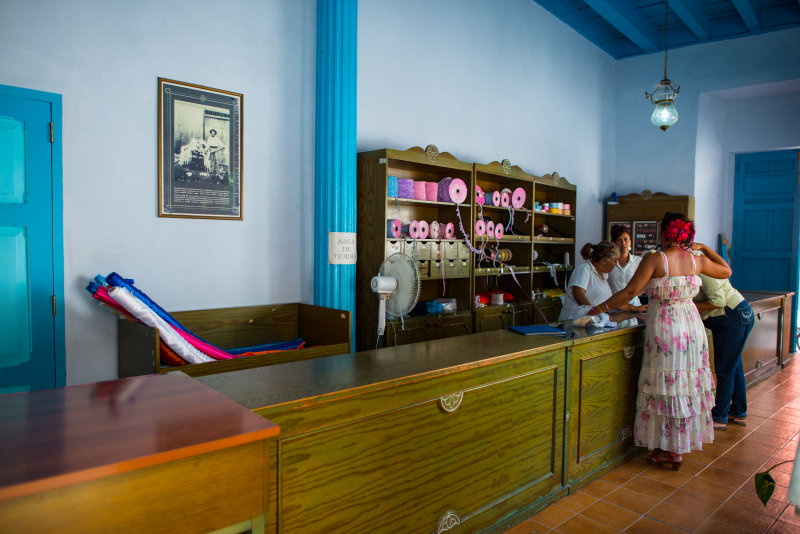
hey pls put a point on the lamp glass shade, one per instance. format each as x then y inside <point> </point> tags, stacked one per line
<point>665,114</point>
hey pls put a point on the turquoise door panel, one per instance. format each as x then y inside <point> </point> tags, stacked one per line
<point>766,218</point>
<point>28,346</point>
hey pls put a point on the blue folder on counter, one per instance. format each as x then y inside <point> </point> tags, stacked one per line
<point>538,330</point>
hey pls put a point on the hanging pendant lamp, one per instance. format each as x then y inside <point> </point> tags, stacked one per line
<point>663,93</point>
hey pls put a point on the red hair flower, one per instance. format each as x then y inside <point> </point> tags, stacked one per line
<point>680,232</point>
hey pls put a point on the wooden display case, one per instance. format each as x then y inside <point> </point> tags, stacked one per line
<point>326,331</point>
<point>642,213</point>
<point>444,264</point>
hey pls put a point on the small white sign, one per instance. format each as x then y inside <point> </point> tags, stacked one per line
<point>341,248</point>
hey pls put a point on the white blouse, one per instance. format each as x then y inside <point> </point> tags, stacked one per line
<point>593,283</point>
<point>619,277</point>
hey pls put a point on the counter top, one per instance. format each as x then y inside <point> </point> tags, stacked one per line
<point>288,382</point>
<point>62,436</point>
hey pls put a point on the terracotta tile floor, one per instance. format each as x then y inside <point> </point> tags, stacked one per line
<point>713,492</point>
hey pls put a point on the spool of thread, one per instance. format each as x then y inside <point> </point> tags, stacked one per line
<point>567,209</point>
<point>443,194</point>
<point>480,196</point>
<point>499,231</point>
<point>434,230</point>
<point>393,228</point>
<point>502,254</point>
<point>457,190</point>
<point>423,229</point>
<point>391,186</point>
<point>518,198</point>
<point>413,229</point>
<point>490,228</point>
<point>480,227</point>
<point>505,198</point>
<point>495,198</point>
<point>450,231</point>
<point>497,298</point>
<point>419,191</point>
<point>431,191</point>
<point>405,188</point>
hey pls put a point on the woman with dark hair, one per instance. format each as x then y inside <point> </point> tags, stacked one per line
<point>588,284</point>
<point>627,263</point>
<point>673,405</point>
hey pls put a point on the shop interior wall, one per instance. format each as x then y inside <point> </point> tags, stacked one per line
<point>105,58</point>
<point>684,160</point>
<point>488,80</point>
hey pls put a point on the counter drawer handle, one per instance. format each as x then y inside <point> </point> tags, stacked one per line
<point>760,315</point>
<point>451,401</point>
<point>629,352</point>
<point>449,520</point>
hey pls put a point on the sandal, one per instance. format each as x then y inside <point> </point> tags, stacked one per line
<point>720,427</point>
<point>664,459</point>
<point>737,421</point>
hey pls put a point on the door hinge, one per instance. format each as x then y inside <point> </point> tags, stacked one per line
<point>53,300</point>
<point>51,140</point>
<point>566,416</point>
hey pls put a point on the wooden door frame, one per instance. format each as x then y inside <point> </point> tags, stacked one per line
<point>56,181</point>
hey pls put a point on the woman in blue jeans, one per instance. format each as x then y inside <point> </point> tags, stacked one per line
<point>729,317</point>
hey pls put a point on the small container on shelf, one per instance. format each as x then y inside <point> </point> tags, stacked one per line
<point>449,250</point>
<point>451,268</point>
<point>463,267</point>
<point>435,269</point>
<point>424,269</point>
<point>393,246</point>
<point>463,250</point>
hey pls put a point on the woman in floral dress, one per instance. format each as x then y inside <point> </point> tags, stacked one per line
<point>673,405</point>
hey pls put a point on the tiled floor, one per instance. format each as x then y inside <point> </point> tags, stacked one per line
<point>714,492</point>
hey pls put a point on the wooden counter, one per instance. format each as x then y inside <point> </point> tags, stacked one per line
<point>768,347</point>
<point>464,434</point>
<point>148,454</point>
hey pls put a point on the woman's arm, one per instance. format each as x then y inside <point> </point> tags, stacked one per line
<point>580,296</point>
<point>635,287</point>
<point>705,305</point>
<point>711,264</point>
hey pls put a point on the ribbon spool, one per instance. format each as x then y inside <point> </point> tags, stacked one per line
<point>413,229</point>
<point>443,194</point>
<point>495,198</point>
<point>457,190</point>
<point>393,228</point>
<point>434,230</point>
<point>405,188</point>
<point>431,191</point>
<point>502,255</point>
<point>505,198</point>
<point>480,196</point>
<point>490,228</point>
<point>518,198</point>
<point>423,229</point>
<point>499,231</point>
<point>449,231</point>
<point>542,229</point>
<point>391,186</point>
<point>419,191</point>
<point>480,227</point>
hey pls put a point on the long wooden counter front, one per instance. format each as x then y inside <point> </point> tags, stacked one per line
<point>159,453</point>
<point>464,434</point>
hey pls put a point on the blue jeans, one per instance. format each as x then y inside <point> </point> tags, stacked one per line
<point>730,333</point>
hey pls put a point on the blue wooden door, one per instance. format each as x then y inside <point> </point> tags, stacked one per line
<point>31,331</point>
<point>766,219</point>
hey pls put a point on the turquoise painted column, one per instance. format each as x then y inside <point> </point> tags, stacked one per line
<point>335,167</point>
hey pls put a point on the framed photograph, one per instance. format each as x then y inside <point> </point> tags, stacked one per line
<point>199,151</point>
<point>645,236</point>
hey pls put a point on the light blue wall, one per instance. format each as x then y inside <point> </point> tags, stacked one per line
<point>677,160</point>
<point>104,58</point>
<point>488,80</point>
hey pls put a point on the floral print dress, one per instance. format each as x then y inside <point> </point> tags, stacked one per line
<point>673,406</point>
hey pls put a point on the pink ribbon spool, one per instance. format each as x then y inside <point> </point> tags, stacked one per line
<point>396,228</point>
<point>423,229</point>
<point>505,199</point>
<point>457,190</point>
<point>518,198</point>
<point>495,198</point>
<point>419,191</point>
<point>450,231</point>
<point>434,230</point>
<point>490,229</point>
<point>413,229</point>
<point>480,227</point>
<point>499,231</point>
<point>431,191</point>
<point>480,196</point>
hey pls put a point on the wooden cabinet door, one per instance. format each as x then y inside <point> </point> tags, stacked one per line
<point>602,404</point>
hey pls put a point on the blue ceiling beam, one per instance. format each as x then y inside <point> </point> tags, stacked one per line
<point>581,24</point>
<point>624,17</point>
<point>693,17</point>
<point>748,14</point>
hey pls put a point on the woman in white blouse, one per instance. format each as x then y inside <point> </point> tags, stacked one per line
<point>588,284</point>
<point>626,264</point>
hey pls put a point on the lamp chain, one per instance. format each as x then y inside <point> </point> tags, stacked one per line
<point>666,15</point>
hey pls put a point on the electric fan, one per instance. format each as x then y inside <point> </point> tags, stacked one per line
<point>397,286</point>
